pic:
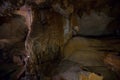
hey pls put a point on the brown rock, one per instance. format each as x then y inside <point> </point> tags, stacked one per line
<point>113,60</point>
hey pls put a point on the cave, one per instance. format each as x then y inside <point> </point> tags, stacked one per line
<point>59,40</point>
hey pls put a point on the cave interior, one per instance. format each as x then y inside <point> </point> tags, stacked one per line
<point>59,40</point>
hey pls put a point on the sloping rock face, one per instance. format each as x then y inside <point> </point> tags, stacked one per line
<point>95,55</point>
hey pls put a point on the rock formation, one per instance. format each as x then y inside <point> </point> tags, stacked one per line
<point>39,35</point>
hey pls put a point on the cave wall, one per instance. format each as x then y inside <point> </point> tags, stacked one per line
<point>96,18</point>
<point>12,46</point>
<point>9,35</point>
<point>54,23</point>
<point>94,24</point>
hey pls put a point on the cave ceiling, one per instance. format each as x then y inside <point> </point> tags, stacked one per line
<point>7,7</point>
<point>92,10</point>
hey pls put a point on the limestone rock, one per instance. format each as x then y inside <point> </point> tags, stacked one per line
<point>91,76</point>
<point>113,61</point>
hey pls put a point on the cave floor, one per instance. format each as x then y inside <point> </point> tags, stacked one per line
<point>85,56</point>
<point>97,56</point>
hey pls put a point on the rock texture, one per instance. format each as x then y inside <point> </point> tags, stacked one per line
<point>54,24</point>
<point>94,55</point>
<point>12,46</point>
